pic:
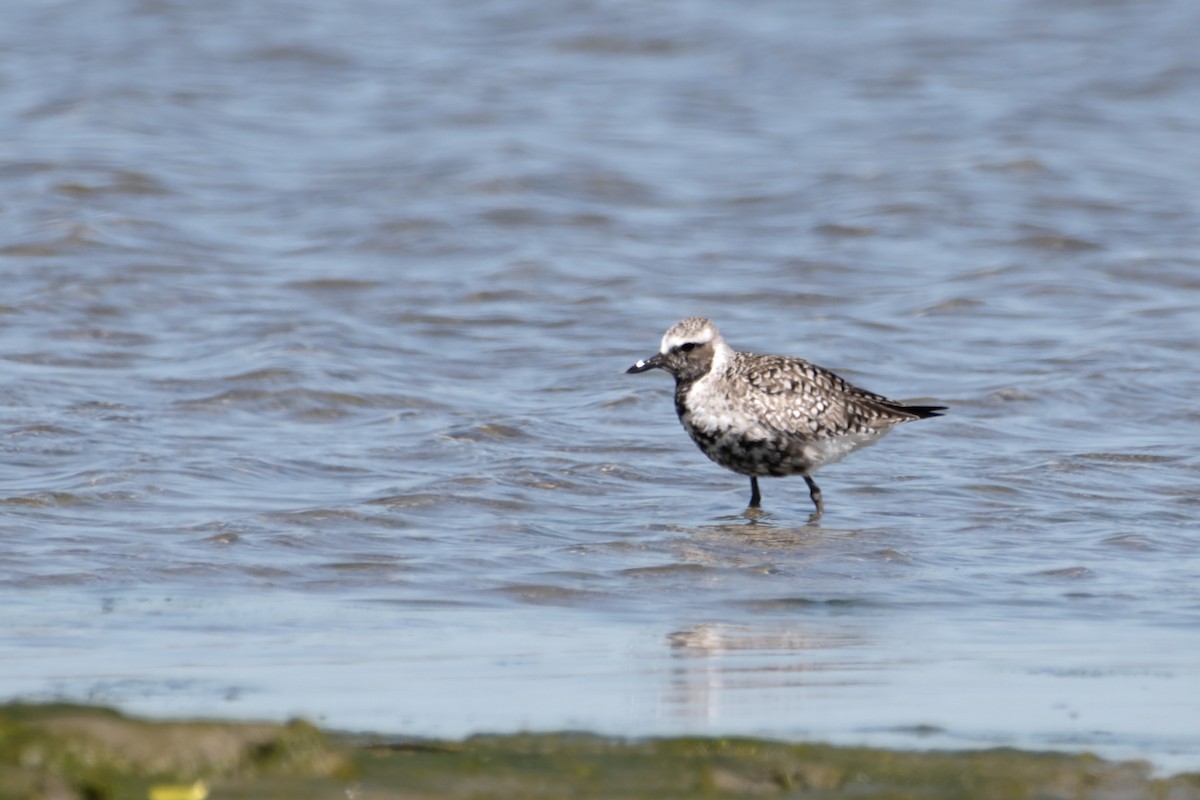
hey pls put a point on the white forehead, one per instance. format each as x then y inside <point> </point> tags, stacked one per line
<point>692,329</point>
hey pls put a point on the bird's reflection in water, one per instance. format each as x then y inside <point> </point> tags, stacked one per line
<point>718,667</point>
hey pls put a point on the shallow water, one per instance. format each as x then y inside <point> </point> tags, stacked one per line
<point>315,320</point>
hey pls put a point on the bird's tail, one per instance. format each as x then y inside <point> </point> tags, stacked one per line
<point>924,412</point>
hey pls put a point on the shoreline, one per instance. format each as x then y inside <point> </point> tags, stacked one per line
<point>66,751</point>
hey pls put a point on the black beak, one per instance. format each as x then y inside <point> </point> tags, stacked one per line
<point>653,362</point>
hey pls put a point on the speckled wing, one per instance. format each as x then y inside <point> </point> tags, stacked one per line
<point>796,397</point>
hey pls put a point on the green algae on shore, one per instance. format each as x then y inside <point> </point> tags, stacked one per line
<point>66,752</point>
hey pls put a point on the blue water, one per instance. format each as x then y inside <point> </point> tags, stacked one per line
<point>315,320</point>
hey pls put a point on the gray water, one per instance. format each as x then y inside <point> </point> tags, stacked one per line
<point>315,319</point>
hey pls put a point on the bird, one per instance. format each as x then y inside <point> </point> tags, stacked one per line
<point>769,415</point>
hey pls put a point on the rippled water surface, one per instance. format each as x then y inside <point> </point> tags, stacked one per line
<point>315,317</point>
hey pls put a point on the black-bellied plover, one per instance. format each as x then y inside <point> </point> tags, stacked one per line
<point>761,415</point>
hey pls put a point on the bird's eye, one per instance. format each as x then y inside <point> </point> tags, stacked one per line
<point>687,347</point>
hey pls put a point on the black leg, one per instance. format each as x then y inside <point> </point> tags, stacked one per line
<point>814,492</point>
<point>755,497</point>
